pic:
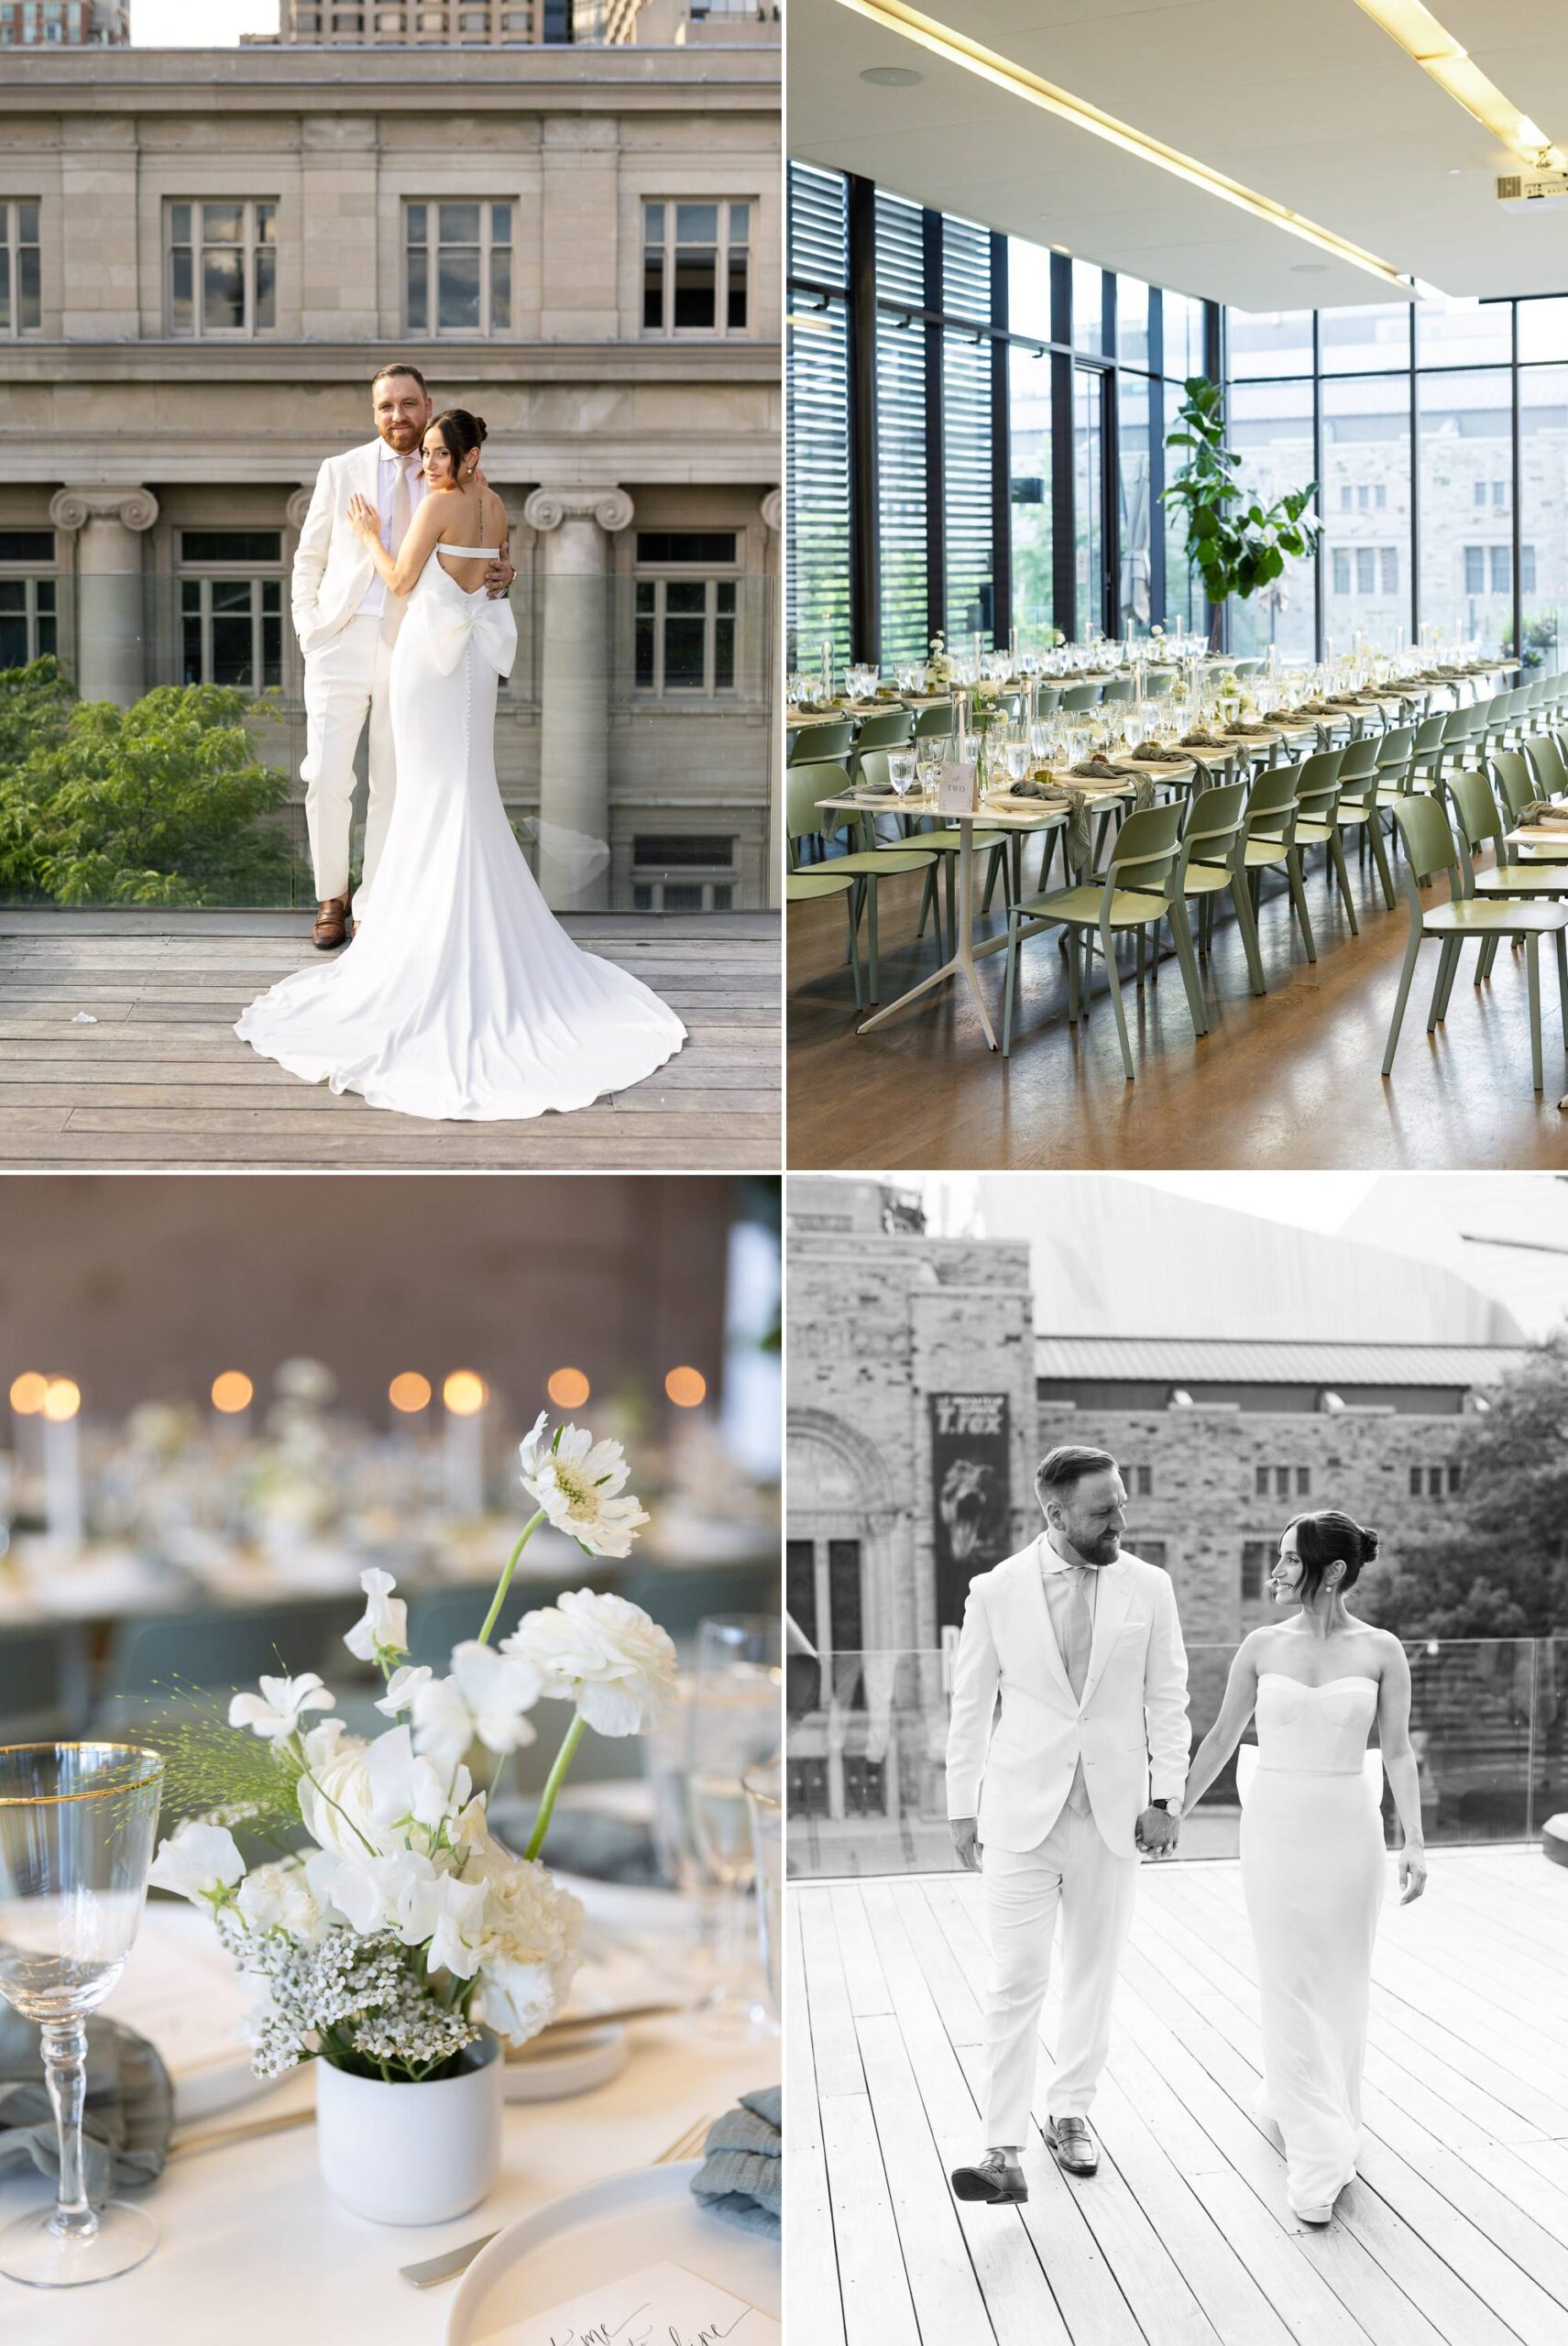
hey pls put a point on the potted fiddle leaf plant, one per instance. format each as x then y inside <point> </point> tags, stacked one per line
<point>1238,543</point>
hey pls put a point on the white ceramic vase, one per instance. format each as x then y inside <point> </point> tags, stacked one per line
<point>411,2154</point>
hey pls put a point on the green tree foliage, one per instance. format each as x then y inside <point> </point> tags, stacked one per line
<point>1237,546</point>
<point>1499,1567</point>
<point>159,804</point>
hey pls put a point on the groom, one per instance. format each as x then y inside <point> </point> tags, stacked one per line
<point>347,619</point>
<point>1075,1649</point>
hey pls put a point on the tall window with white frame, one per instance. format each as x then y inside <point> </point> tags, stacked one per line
<point>231,608</point>
<point>697,261</point>
<point>21,277</point>
<point>458,266</point>
<point>221,264</point>
<point>29,608</point>
<point>687,595</point>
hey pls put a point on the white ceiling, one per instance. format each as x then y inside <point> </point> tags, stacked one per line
<point>1307,102</point>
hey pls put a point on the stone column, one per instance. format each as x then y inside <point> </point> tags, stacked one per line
<point>111,624</point>
<point>773,693</point>
<point>576,525</point>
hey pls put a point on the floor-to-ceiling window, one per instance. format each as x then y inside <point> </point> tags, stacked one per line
<point>821,552</point>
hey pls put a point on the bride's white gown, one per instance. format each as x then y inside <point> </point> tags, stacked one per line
<point>461,995</point>
<point>1314,1873</point>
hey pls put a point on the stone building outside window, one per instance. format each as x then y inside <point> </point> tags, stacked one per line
<point>458,266</point>
<point>696,266</point>
<point>28,610</point>
<point>221,267</point>
<point>231,608</point>
<point>20,309</point>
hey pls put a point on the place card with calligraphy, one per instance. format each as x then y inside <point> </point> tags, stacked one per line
<point>662,2305</point>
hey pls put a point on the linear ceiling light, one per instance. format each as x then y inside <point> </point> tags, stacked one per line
<point>957,48</point>
<point>1434,49</point>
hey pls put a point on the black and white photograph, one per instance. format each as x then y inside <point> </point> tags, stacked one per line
<point>1178,1776</point>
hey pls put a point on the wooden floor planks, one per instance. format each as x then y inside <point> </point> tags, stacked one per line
<point>1455,2232</point>
<point>158,1081</point>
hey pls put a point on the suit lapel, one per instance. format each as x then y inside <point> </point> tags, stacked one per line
<point>1036,1615</point>
<point>1113,1599</point>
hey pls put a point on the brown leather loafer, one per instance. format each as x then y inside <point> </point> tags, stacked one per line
<point>330,928</point>
<point>992,2180</point>
<point>1072,2145</point>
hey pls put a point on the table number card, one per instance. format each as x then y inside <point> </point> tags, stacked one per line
<point>663,2305</point>
<point>956,792</point>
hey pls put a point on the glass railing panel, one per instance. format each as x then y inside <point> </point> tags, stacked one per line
<point>867,1742</point>
<point>635,745</point>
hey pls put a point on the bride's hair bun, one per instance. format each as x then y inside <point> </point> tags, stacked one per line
<point>1330,1536</point>
<point>481,430</point>
<point>461,433</point>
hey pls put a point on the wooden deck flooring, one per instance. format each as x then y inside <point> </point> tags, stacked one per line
<point>1456,2231</point>
<point>160,1083</point>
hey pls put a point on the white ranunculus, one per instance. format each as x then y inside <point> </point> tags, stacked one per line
<point>486,1697</point>
<point>280,1898</point>
<point>454,1936</point>
<point>383,1626</point>
<point>336,1802</point>
<point>606,1655</point>
<point>201,1862</point>
<point>577,1481</point>
<point>283,1701</point>
<point>403,1686</point>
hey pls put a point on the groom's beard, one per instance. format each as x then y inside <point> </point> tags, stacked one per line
<point>1101,1551</point>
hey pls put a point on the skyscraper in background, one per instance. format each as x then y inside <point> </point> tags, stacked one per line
<point>65,24</point>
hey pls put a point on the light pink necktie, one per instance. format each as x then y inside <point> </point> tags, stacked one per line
<point>1076,1641</point>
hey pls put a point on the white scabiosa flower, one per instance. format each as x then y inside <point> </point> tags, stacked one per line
<point>606,1655</point>
<point>201,1863</point>
<point>381,1633</point>
<point>283,1701</point>
<point>578,1481</point>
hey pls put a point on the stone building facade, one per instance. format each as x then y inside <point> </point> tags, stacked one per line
<point>581,245</point>
<point>1220,1443</point>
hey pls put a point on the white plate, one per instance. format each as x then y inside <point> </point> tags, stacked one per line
<point>648,2216</point>
<point>545,2072</point>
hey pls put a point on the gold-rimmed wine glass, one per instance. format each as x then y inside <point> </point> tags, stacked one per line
<point>77,1822</point>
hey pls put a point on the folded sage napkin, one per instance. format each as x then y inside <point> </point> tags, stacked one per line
<point>128,2117</point>
<point>1281,716</point>
<point>864,789</point>
<point>1151,752</point>
<point>1041,785</point>
<point>1077,839</point>
<point>1250,730</point>
<point>1315,708</point>
<point>1099,769</point>
<point>1142,793</point>
<point>1343,700</point>
<point>818,708</point>
<point>741,2175</point>
<point>1543,811</point>
<point>1199,740</point>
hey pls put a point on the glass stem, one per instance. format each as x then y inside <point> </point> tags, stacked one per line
<point>65,2067</point>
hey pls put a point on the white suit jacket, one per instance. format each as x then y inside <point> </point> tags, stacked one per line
<point>331,566</point>
<point>1016,1733</point>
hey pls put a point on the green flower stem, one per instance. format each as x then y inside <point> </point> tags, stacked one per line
<point>553,1781</point>
<point>529,1529</point>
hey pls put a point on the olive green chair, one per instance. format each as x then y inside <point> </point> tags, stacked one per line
<point>1547,765</point>
<point>828,738</point>
<point>806,817</point>
<point>1431,848</point>
<point>1131,893</point>
<point>1213,862</point>
<point>1271,841</point>
<point>1514,782</point>
<point>1317,820</point>
<point>1075,698</point>
<point>1361,809</point>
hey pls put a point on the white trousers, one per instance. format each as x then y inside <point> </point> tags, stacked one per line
<point>1073,1868</point>
<point>345,679</point>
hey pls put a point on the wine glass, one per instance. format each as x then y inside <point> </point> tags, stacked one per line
<point>901,768</point>
<point>77,1822</point>
<point>736,1722</point>
<point>764,1800</point>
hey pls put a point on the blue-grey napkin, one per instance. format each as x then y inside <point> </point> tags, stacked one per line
<point>741,2175</point>
<point>129,2112</point>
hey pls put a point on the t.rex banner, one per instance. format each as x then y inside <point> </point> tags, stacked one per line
<point>970,1499</point>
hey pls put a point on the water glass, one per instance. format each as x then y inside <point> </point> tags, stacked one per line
<point>77,1822</point>
<point>765,1799</point>
<point>736,1724</point>
<point>901,769</point>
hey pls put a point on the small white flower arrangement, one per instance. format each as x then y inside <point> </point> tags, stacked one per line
<point>403,1926</point>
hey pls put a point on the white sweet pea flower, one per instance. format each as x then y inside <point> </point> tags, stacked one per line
<point>391,1893</point>
<point>408,1789</point>
<point>606,1655</point>
<point>383,1630</point>
<point>577,1481</point>
<point>454,1940</point>
<point>486,1697</point>
<point>278,1709</point>
<point>201,1863</point>
<point>321,1743</point>
<point>401,1688</point>
<point>280,1898</point>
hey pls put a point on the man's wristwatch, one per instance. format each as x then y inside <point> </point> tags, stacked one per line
<point>1171,1807</point>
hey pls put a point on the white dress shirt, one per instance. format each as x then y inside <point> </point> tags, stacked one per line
<point>375,601</point>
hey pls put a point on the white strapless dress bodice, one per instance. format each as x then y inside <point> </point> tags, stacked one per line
<point>1314,1873</point>
<point>461,995</point>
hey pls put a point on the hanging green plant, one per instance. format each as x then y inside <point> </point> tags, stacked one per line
<point>1237,546</point>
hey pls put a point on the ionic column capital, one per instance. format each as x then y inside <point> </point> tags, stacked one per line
<point>72,508</point>
<point>297,508</point>
<point>773,510</point>
<point>546,508</point>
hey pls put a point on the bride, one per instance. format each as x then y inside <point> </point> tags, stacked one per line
<point>1312,1840</point>
<point>461,994</point>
